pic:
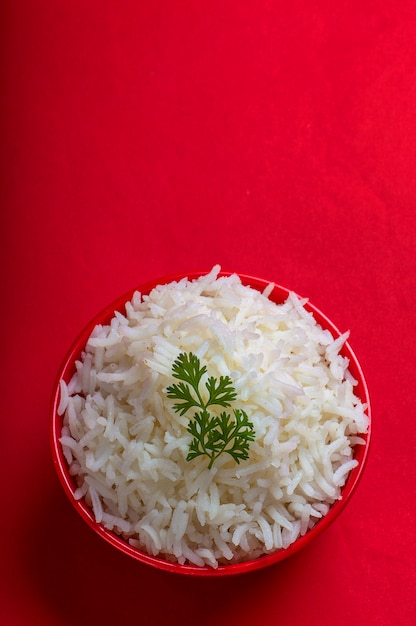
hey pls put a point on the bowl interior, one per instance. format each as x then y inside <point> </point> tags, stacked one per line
<point>278,295</point>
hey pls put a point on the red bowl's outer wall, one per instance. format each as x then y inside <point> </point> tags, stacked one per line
<point>278,295</point>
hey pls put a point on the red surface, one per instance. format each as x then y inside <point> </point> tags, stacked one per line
<point>143,138</point>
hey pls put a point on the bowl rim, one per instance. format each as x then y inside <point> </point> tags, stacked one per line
<point>67,368</point>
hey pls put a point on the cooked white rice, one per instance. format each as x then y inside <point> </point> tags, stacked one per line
<point>127,446</point>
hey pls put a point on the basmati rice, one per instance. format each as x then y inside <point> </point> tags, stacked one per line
<point>127,447</point>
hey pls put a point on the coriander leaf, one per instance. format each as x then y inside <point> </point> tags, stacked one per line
<point>182,392</point>
<point>220,392</point>
<point>214,435</point>
<point>200,428</point>
<point>188,368</point>
<point>233,436</point>
<point>211,434</point>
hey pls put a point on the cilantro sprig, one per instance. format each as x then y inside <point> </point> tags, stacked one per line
<point>212,434</point>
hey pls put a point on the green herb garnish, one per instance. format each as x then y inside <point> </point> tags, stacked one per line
<point>212,434</point>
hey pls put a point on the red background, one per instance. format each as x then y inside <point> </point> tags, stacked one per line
<point>143,138</point>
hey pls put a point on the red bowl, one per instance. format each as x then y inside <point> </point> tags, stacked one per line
<point>278,295</point>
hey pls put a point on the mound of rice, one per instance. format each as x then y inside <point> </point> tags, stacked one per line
<point>127,447</point>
